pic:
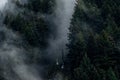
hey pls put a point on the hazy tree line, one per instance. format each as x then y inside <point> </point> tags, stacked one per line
<point>31,22</point>
<point>94,38</point>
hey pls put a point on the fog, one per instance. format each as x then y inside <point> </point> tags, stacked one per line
<point>61,19</point>
<point>12,53</point>
<point>2,4</point>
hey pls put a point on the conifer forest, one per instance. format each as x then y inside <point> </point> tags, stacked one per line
<point>59,39</point>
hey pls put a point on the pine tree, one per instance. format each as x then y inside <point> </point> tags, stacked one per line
<point>86,71</point>
<point>77,49</point>
<point>111,75</point>
<point>43,6</point>
<point>97,21</point>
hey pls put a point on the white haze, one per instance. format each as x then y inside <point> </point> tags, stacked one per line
<point>2,4</point>
<point>12,54</point>
<point>12,58</point>
<point>62,17</point>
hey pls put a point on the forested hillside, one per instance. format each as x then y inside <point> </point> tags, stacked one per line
<point>94,47</point>
<point>60,40</point>
<point>31,21</point>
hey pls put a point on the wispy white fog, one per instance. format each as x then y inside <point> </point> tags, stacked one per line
<point>12,54</point>
<point>2,4</point>
<point>62,16</point>
<point>13,57</point>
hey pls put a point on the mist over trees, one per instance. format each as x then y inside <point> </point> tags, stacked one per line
<point>31,22</point>
<point>93,48</point>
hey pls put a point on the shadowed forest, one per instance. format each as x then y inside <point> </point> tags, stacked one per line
<point>59,39</point>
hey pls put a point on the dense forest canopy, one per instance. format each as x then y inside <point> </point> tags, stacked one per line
<point>93,47</point>
<point>94,41</point>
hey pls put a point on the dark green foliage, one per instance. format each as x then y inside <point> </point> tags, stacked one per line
<point>111,75</point>
<point>95,30</point>
<point>94,38</point>
<point>34,30</point>
<point>86,71</point>
<point>43,6</point>
<point>77,47</point>
<point>32,25</point>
